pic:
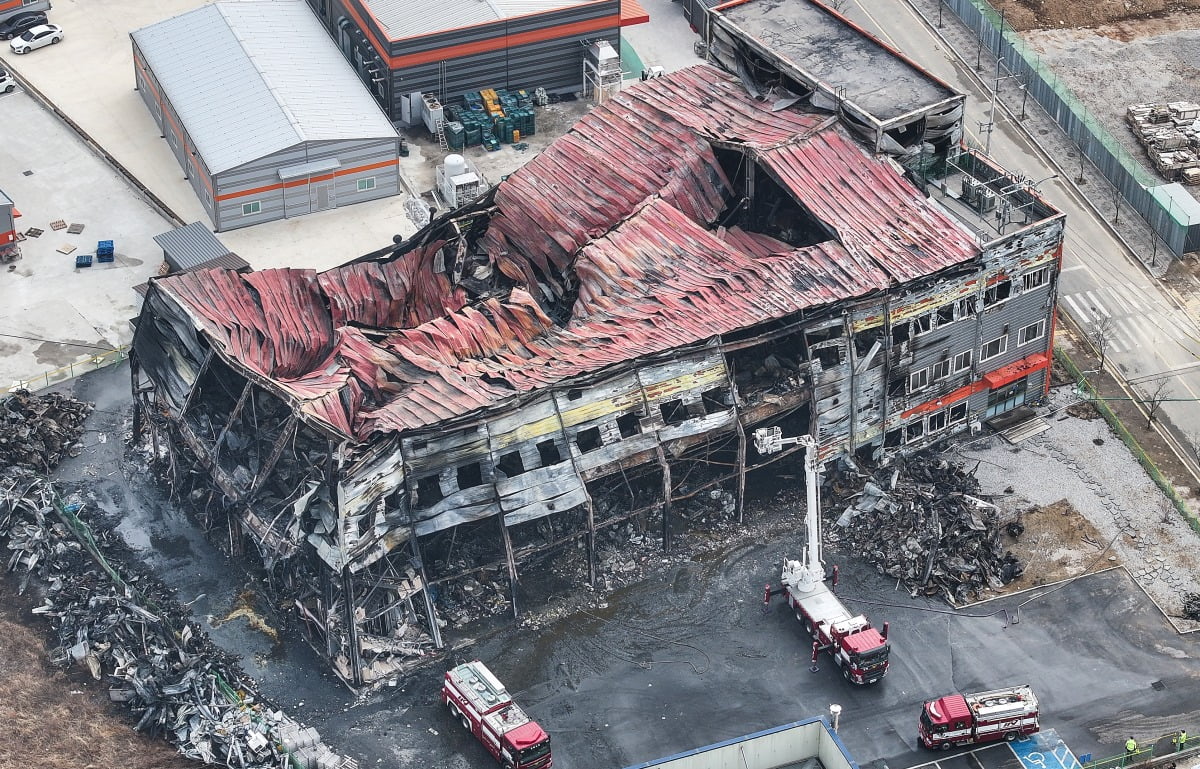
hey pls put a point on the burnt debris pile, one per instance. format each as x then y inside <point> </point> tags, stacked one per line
<point>126,629</point>
<point>39,431</point>
<point>923,523</point>
<point>1191,606</point>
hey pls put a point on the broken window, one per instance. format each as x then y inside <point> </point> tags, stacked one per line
<point>965,307</point>
<point>1036,278</point>
<point>923,324</point>
<point>941,370</point>
<point>914,430</point>
<point>937,421</point>
<point>918,380</point>
<point>1031,332</point>
<point>893,438</point>
<point>900,332</point>
<point>962,361</point>
<point>588,440</point>
<point>997,293</point>
<point>548,451</point>
<point>865,340</point>
<point>829,356</point>
<point>429,491</point>
<point>629,424</point>
<point>715,400</point>
<point>511,464</point>
<point>997,346</point>
<point>470,476</point>
<point>574,395</point>
<point>673,412</point>
<point>958,412</point>
<point>945,314</point>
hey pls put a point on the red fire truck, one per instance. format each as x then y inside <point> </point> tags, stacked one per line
<point>857,647</point>
<point>962,719</point>
<point>480,701</point>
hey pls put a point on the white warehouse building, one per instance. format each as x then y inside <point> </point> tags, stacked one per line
<point>263,112</point>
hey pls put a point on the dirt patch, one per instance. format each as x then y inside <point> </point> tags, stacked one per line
<point>53,721</point>
<point>1058,543</point>
<point>1060,14</point>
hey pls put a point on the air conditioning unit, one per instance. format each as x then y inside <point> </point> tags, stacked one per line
<point>970,188</point>
<point>986,201</point>
<point>976,427</point>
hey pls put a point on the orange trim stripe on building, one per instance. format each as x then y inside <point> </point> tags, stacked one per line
<point>307,180</point>
<point>504,41</point>
<point>9,6</point>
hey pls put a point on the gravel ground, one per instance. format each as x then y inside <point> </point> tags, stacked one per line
<point>1088,465</point>
<point>1108,74</point>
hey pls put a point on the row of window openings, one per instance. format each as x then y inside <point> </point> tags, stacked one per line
<point>918,380</point>
<point>934,423</point>
<point>965,308</point>
<point>255,206</point>
<point>429,491</point>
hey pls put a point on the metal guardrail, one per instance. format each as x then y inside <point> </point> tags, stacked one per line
<point>1154,753</point>
<point>70,371</point>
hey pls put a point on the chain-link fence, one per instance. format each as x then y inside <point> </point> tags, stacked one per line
<point>1093,140</point>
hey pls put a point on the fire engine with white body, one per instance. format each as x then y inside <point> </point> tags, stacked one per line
<point>857,647</point>
<point>478,699</point>
<point>963,719</point>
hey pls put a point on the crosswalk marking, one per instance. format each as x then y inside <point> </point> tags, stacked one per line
<point>1077,311</point>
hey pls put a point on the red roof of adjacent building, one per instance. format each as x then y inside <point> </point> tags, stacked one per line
<point>622,210</point>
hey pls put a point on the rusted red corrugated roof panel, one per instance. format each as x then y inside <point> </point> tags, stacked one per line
<point>877,214</point>
<point>621,210</point>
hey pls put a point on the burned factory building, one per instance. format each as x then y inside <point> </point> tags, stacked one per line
<point>612,322</point>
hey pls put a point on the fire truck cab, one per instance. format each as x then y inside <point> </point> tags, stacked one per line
<point>477,698</point>
<point>963,719</point>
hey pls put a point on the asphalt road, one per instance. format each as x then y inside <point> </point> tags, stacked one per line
<point>1150,337</point>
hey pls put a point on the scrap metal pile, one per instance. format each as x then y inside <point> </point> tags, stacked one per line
<point>128,630</point>
<point>1191,606</point>
<point>39,431</point>
<point>922,523</point>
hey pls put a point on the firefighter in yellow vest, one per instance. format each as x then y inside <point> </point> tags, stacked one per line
<point>1179,740</point>
<point>1130,750</point>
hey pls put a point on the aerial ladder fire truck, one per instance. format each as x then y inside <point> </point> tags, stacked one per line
<point>963,719</point>
<point>856,646</point>
<point>477,698</point>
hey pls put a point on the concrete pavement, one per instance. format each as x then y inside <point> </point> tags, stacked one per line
<point>1151,335</point>
<point>53,315</point>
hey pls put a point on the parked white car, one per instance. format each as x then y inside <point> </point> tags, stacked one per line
<point>7,83</point>
<point>36,37</point>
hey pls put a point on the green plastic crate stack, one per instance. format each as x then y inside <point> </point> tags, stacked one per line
<point>473,101</point>
<point>524,100</point>
<point>456,135</point>
<point>504,130</point>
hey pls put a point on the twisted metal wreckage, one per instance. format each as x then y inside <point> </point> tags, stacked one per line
<point>686,264</point>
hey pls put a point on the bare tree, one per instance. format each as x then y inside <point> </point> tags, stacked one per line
<point>1158,390</point>
<point>838,5</point>
<point>1100,334</point>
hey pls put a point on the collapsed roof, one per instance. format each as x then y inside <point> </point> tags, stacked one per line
<point>624,239</point>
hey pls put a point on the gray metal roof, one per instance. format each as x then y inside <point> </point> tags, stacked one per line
<point>411,18</point>
<point>5,200</point>
<point>190,245</point>
<point>252,77</point>
<point>812,42</point>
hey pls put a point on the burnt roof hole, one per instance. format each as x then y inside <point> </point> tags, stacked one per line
<point>773,211</point>
<point>1158,686</point>
<point>497,381</point>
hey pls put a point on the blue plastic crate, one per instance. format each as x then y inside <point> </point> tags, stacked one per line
<point>102,258</point>
<point>104,247</point>
<point>83,260</point>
